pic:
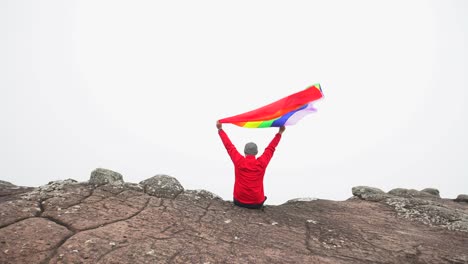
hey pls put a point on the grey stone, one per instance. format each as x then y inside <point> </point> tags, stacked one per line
<point>103,176</point>
<point>409,193</point>
<point>6,184</point>
<point>369,193</point>
<point>432,191</point>
<point>462,198</point>
<point>162,186</point>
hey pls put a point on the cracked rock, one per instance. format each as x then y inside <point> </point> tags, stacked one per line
<point>123,224</point>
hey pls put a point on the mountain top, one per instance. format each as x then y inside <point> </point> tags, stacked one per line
<point>108,220</point>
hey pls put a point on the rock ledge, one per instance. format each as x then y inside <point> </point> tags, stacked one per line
<point>107,220</point>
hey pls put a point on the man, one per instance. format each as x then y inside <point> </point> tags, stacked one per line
<point>249,170</point>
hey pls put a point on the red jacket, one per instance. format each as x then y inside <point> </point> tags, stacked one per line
<point>249,170</point>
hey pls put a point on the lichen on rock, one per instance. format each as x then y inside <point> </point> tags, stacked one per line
<point>102,176</point>
<point>199,194</point>
<point>162,186</point>
<point>410,193</point>
<point>369,193</point>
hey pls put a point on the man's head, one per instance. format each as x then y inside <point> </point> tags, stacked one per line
<point>250,149</point>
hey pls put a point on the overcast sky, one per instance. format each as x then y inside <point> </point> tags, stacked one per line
<point>137,86</point>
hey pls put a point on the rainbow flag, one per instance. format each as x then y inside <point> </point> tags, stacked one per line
<point>284,112</point>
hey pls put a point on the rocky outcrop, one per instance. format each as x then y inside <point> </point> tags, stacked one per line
<point>424,206</point>
<point>158,221</point>
<point>411,193</point>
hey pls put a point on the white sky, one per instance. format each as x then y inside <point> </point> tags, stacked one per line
<point>137,86</point>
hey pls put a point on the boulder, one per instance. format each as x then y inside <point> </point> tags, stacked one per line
<point>462,198</point>
<point>432,191</point>
<point>369,193</point>
<point>103,176</point>
<point>410,193</point>
<point>162,186</point>
<point>6,184</point>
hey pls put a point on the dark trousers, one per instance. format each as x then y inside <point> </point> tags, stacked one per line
<point>249,206</point>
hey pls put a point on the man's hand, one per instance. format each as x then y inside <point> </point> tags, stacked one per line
<point>281,129</point>
<point>219,125</point>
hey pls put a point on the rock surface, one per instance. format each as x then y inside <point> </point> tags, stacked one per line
<point>71,222</point>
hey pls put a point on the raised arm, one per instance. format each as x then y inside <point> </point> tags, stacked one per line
<point>270,150</point>
<point>231,149</point>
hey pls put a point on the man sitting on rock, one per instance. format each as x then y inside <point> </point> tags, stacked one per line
<point>249,170</point>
